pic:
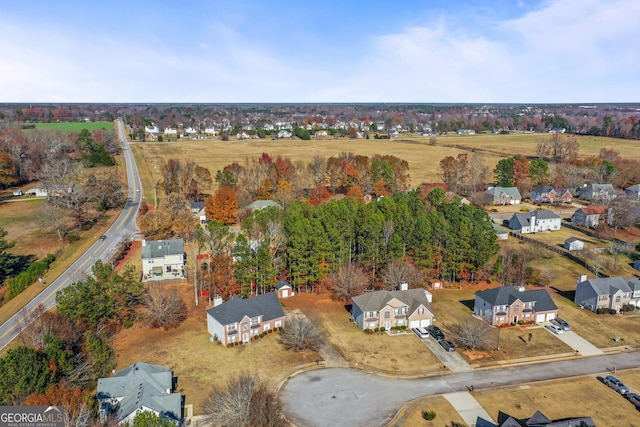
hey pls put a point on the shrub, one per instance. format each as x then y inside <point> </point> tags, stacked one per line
<point>368,331</point>
<point>127,324</point>
<point>23,280</point>
<point>269,331</point>
<point>628,307</point>
<point>520,322</point>
<point>429,415</point>
<point>612,311</point>
<point>376,329</point>
<point>600,311</point>
<point>524,209</point>
<point>513,323</point>
<point>403,327</point>
<point>382,329</point>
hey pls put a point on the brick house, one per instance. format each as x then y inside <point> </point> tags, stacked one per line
<point>506,304</point>
<point>410,307</point>
<point>609,293</point>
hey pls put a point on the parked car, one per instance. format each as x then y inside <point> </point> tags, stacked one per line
<point>616,384</point>
<point>635,399</point>
<point>562,323</point>
<point>447,345</point>
<point>554,328</point>
<point>435,332</point>
<point>421,332</point>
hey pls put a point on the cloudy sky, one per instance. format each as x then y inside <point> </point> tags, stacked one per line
<point>488,51</point>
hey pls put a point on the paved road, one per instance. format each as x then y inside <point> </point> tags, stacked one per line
<point>348,397</point>
<point>122,228</point>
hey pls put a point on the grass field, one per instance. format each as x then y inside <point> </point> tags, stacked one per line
<point>423,159</point>
<point>411,414</point>
<point>74,126</point>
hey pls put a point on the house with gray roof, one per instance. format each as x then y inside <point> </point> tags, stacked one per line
<point>536,420</point>
<point>377,309</point>
<point>503,196</point>
<point>633,192</point>
<point>240,319</point>
<point>608,293</point>
<point>137,388</point>
<point>534,222</point>
<point>198,211</point>
<point>501,233</point>
<point>507,304</point>
<point>262,204</point>
<point>549,194</point>
<point>163,259</point>
<point>597,192</point>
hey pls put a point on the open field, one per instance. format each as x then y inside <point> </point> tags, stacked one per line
<point>74,126</point>
<point>423,158</point>
<point>581,396</point>
<point>404,354</point>
<point>198,363</point>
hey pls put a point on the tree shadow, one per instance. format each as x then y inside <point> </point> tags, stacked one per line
<point>523,339</point>
<point>570,295</point>
<point>21,263</point>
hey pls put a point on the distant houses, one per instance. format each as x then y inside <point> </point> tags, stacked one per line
<point>592,216</point>
<point>597,192</point>
<point>609,293</point>
<point>549,194</point>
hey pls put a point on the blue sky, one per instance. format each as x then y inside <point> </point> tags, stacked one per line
<point>488,51</point>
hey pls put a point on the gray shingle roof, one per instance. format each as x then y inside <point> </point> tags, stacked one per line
<point>506,295</point>
<point>266,305</point>
<point>609,285</point>
<point>509,191</point>
<point>142,385</point>
<point>162,248</point>
<point>281,284</point>
<point>261,204</point>
<point>374,301</point>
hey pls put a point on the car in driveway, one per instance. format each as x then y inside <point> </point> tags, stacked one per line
<point>421,332</point>
<point>562,323</point>
<point>435,332</point>
<point>635,399</point>
<point>616,384</point>
<point>554,328</point>
<point>447,345</point>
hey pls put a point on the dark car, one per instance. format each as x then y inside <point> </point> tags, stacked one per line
<point>635,399</point>
<point>447,345</point>
<point>103,237</point>
<point>435,332</point>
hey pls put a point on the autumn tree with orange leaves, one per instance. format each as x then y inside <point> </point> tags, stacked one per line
<point>222,206</point>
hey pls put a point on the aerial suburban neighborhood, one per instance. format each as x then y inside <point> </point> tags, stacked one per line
<point>278,214</point>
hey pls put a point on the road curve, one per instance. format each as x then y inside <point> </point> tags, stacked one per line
<point>348,397</point>
<point>124,227</point>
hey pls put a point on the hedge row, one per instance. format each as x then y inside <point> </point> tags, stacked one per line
<point>23,280</point>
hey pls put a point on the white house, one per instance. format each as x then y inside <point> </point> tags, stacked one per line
<point>163,259</point>
<point>536,221</point>
<point>37,192</point>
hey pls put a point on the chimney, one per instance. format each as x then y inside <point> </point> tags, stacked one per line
<point>404,286</point>
<point>217,300</point>
<point>520,288</point>
<point>582,278</point>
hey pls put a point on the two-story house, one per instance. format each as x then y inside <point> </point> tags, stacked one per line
<point>163,259</point>
<point>506,304</point>
<point>408,307</point>
<point>597,192</point>
<point>137,388</point>
<point>503,196</point>
<point>239,319</point>
<point>591,216</point>
<point>549,194</point>
<point>608,293</point>
<point>536,221</point>
<point>633,192</point>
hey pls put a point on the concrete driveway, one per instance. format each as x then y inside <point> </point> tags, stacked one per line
<point>451,359</point>
<point>576,342</point>
<point>348,397</point>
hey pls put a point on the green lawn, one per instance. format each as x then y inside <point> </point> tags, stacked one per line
<point>74,126</point>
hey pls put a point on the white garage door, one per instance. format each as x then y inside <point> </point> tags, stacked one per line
<point>425,322</point>
<point>415,323</point>
<point>539,318</point>
<point>551,316</point>
<point>285,293</point>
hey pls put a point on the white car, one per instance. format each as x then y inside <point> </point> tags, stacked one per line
<point>421,332</point>
<point>554,328</point>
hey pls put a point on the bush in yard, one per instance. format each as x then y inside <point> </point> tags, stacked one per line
<point>301,335</point>
<point>429,415</point>
<point>382,329</point>
<point>403,327</point>
<point>376,329</point>
<point>628,307</point>
<point>368,331</point>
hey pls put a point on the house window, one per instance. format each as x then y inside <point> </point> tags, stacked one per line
<point>387,315</point>
<point>516,308</point>
<point>603,297</point>
<point>400,322</point>
<point>245,326</point>
<point>618,298</point>
<point>232,327</point>
<point>278,323</point>
<point>421,310</point>
<point>255,320</point>
<point>267,326</point>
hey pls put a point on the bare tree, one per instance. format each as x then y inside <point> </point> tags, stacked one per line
<point>164,310</point>
<point>348,282</point>
<point>245,402</point>
<point>300,334</point>
<point>399,272</point>
<point>471,333</point>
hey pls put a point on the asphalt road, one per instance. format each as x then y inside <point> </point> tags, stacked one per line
<point>123,228</point>
<point>348,397</point>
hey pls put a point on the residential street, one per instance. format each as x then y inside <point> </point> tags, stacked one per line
<point>124,227</point>
<point>348,397</point>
